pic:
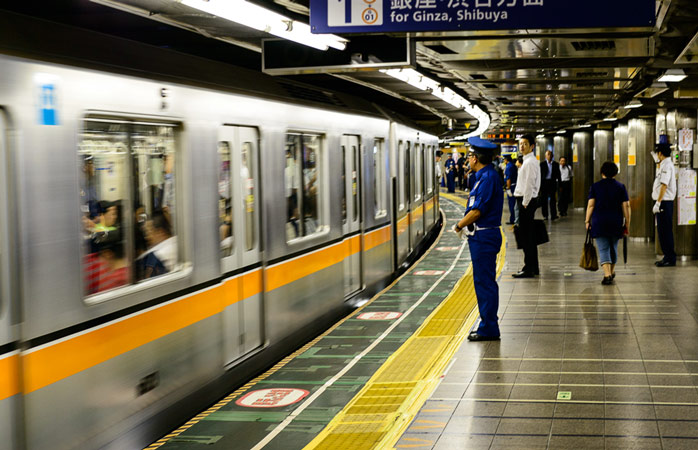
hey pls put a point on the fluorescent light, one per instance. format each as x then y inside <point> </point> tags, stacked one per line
<point>610,119</point>
<point>262,19</point>
<point>586,125</point>
<point>448,95</point>
<point>540,136</point>
<point>672,76</point>
<point>633,104</point>
<point>562,132</point>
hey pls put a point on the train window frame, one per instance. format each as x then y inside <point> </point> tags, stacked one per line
<point>183,267</point>
<point>322,197</point>
<point>430,168</point>
<point>400,176</point>
<point>379,178</point>
<point>418,163</point>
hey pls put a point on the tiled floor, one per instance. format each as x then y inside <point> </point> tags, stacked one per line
<point>626,355</point>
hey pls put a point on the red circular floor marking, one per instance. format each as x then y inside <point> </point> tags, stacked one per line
<point>379,315</point>
<point>272,398</point>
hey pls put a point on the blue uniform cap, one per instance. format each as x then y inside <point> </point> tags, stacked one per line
<point>482,145</point>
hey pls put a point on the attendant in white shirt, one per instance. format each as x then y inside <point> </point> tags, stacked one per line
<point>664,193</point>
<point>565,198</point>
<point>526,193</point>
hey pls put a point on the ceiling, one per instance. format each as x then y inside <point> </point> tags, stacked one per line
<point>527,80</point>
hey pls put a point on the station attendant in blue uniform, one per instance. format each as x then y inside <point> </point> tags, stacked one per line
<point>450,173</point>
<point>481,224</point>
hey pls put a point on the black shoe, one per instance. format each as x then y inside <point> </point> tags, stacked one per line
<point>607,281</point>
<point>555,218</point>
<point>474,337</point>
<point>613,276</point>
<point>664,264</point>
<point>523,274</point>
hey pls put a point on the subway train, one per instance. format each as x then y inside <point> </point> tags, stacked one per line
<point>164,240</point>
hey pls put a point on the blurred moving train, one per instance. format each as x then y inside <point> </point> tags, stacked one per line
<point>162,242</point>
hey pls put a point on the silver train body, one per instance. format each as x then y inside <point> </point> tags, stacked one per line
<point>97,370</point>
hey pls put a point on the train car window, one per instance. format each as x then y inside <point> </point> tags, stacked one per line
<point>354,181</point>
<point>400,177</point>
<point>344,184</point>
<point>418,157</point>
<point>225,214</point>
<point>406,171</point>
<point>247,179</point>
<point>302,184</point>
<point>128,203</point>
<point>430,170</point>
<point>378,178</point>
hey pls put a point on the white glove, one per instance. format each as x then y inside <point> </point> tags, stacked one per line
<point>469,230</point>
<point>657,207</point>
<point>509,193</point>
<point>460,232</point>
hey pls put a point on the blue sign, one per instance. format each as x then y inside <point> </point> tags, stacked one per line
<point>381,16</point>
<point>48,111</point>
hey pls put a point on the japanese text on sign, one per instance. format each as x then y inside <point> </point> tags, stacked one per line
<point>353,16</point>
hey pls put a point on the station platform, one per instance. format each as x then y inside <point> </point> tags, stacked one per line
<point>579,365</point>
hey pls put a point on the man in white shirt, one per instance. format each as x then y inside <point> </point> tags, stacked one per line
<point>526,193</point>
<point>664,193</point>
<point>565,187</point>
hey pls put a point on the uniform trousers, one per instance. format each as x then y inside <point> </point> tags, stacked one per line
<point>665,231</point>
<point>512,208</point>
<point>484,246</point>
<point>530,249</point>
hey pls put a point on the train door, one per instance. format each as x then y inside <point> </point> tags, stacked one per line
<point>351,212</point>
<point>408,193</point>
<point>238,210</point>
<point>9,358</point>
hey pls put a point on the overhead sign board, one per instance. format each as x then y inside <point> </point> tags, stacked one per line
<point>380,16</point>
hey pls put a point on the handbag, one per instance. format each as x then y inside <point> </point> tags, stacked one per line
<point>589,260</point>
<point>540,234</point>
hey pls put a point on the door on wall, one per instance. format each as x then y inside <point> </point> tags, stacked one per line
<point>238,211</point>
<point>351,212</point>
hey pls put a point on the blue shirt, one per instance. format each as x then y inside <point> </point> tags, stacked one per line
<point>487,197</point>
<point>511,173</point>
<point>607,218</point>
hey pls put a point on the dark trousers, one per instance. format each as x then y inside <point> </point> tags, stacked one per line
<point>484,246</point>
<point>548,191</point>
<point>462,181</point>
<point>565,197</point>
<point>665,231</point>
<point>530,248</point>
<point>512,208</point>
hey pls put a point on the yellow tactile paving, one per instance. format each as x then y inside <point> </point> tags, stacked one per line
<point>381,411</point>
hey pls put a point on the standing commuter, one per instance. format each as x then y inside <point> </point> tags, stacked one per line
<point>510,174</point>
<point>526,193</point>
<point>664,193</point>
<point>608,218</point>
<point>481,223</point>
<point>450,173</point>
<point>461,171</point>
<point>565,186</point>
<point>437,169</point>
<point>550,179</point>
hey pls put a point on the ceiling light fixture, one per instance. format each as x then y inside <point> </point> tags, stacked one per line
<point>448,95</point>
<point>586,125</point>
<point>262,19</point>
<point>610,119</point>
<point>633,104</point>
<point>672,76</point>
<point>562,132</point>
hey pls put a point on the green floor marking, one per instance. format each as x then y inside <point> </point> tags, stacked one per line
<point>246,416</point>
<point>312,353</point>
<point>323,415</point>
<point>564,395</point>
<point>207,440</point>
<point>305,368</point>
<point>304,428</point>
